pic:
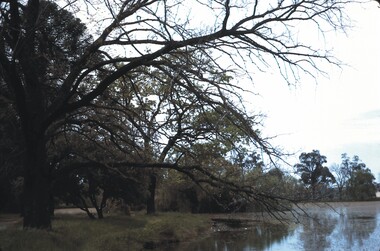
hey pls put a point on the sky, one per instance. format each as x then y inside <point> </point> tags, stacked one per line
<point>338,114</point>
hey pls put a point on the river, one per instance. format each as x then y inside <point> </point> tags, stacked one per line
<point>336,226</point>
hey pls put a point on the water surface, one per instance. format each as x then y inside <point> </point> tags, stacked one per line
<point>337,226</point>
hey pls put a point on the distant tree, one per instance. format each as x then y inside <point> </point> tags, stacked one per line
<point>354,179</point>
<point>312,171</point>
<point>358,179</point>
<point>352,165</point>
<point>361,185</point>
<point>341,178</point>
<point>344,171</point>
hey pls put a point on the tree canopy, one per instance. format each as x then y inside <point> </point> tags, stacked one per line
<point>312,171</point>
<point>63,82</point>
<point>354,179</point>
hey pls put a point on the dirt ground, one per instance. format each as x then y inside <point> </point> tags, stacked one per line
<point>7,220</point>
<point>72,211</point>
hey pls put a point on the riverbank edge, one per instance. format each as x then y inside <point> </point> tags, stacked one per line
<point>114,232</point>
<point>75,231</point>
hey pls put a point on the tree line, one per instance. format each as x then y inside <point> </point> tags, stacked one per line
<point>349,180</point>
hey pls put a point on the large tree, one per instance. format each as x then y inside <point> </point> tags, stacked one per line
<point>52,69</point>
<point>356,178</point>
<point>312,171</point>
<point>345,171</point>
<point>361,185</point>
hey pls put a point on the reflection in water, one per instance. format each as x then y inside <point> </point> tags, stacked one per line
<point>356,226</point>
<point>351,226</point>
<point>316,230</point>
<point>260,237</point>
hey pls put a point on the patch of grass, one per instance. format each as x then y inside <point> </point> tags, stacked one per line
<point>112,233</point>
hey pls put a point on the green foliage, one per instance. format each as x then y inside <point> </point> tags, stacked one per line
<point>361,185</point>
<point>87,187</point>
<point>355,179</point>
<point>312,171</point>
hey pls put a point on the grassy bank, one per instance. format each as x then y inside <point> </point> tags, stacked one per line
<point>112,233</point>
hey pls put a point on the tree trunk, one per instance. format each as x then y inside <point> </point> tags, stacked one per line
<point>37,181</point>
<point>150,204</point>
<point>99,212</point>
<point>340,191</point>
<point>52,205</point>
<point>85,208</point>
<point>89,214</point>
<point>98,208</point>
<point>313,192</point>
